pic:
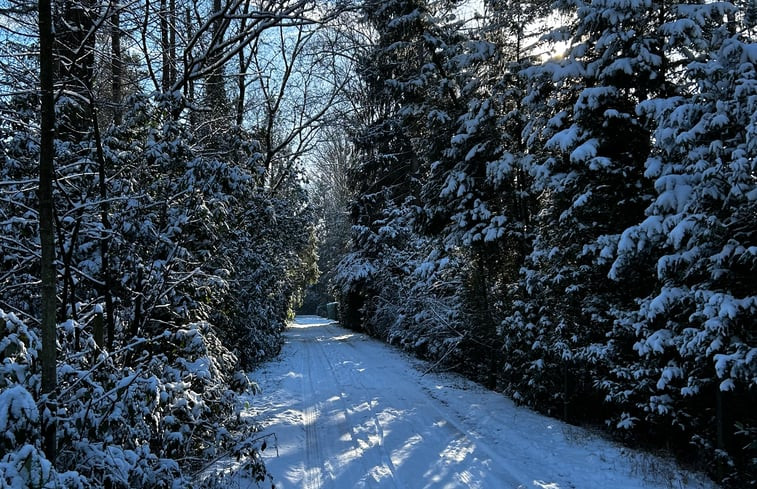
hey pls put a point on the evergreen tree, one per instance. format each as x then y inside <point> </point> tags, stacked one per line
<point>695,367</point>
<point>591,187</point>
<point>476,194</point>
<point>388,166</point>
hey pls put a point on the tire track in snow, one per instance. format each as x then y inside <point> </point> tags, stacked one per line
<point>460,441</point>
<point>372,420</point>
<point>384,458</point>
<point>327,424</point>
<point>312,476</point>
<point>319,352</point>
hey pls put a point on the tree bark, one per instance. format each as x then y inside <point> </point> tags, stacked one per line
<point>215,91</point>
<point>241,86</point>
<point>107,275</point>
<point>116,64</point>
<point>172,41</point>
<point>46,226</point>
<point>165,75</point>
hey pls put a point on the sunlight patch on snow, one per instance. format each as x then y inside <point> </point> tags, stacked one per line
<point>350,455</point>
<point>380,472</point>
<point>344,337</point>
<point>458,450</point>
<point>374,440</point>
<point>546,485</point>
<point>364,445</point>
<point>310,420</point>
<point>313,474</point>
<point>304,322</point>
<point>294,474</point>
<point>466,478</point>
<point>400,455</point>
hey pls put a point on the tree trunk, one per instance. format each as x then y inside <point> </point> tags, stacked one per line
<point>106,275</point>
<point>241,87</point>
<point>165,75</point>
<point>724,427</point>
<point>189,87</point>
<point>46,226</point>
<point>138,308</point>
<point>117,64</point>
<point>215,91</point>
<point>172,40</point>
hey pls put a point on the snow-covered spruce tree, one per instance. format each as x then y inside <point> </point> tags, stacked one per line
<point>477,195</point>
<point>386,174</point>
<point>444,95</point>
<point>476,190</point>
<point>423,101</point>
<point>694,372</point>
<point>589,148</point>
<point>452,121</point>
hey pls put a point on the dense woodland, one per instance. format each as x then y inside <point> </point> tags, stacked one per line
<point>181,230</point>
<point>559,199</point>
<point>556,198</point>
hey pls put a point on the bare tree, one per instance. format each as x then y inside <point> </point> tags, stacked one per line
<point>299,85</point>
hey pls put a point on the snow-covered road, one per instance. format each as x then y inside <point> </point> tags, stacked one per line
<point>350,412</point>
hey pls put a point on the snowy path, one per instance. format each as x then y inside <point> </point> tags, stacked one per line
<point>351,412</point>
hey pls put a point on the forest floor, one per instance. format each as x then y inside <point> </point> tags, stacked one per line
<point>348,412</point>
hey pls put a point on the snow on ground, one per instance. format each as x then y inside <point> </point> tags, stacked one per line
<point>348,412</point>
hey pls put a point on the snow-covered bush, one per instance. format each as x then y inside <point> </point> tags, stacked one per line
<point>179,271</point>
<point>154,414</point>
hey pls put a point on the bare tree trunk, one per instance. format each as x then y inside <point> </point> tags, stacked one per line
<point>241,86</point>
<point>215,92</point>
<point>46,225</point>
<point>172,41</point>
<point>138,306</point>
<point>189,87</point>
<point>165,76</point>
<point>244,65</point>
<point>107,276</point>
<point>117,64</point>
